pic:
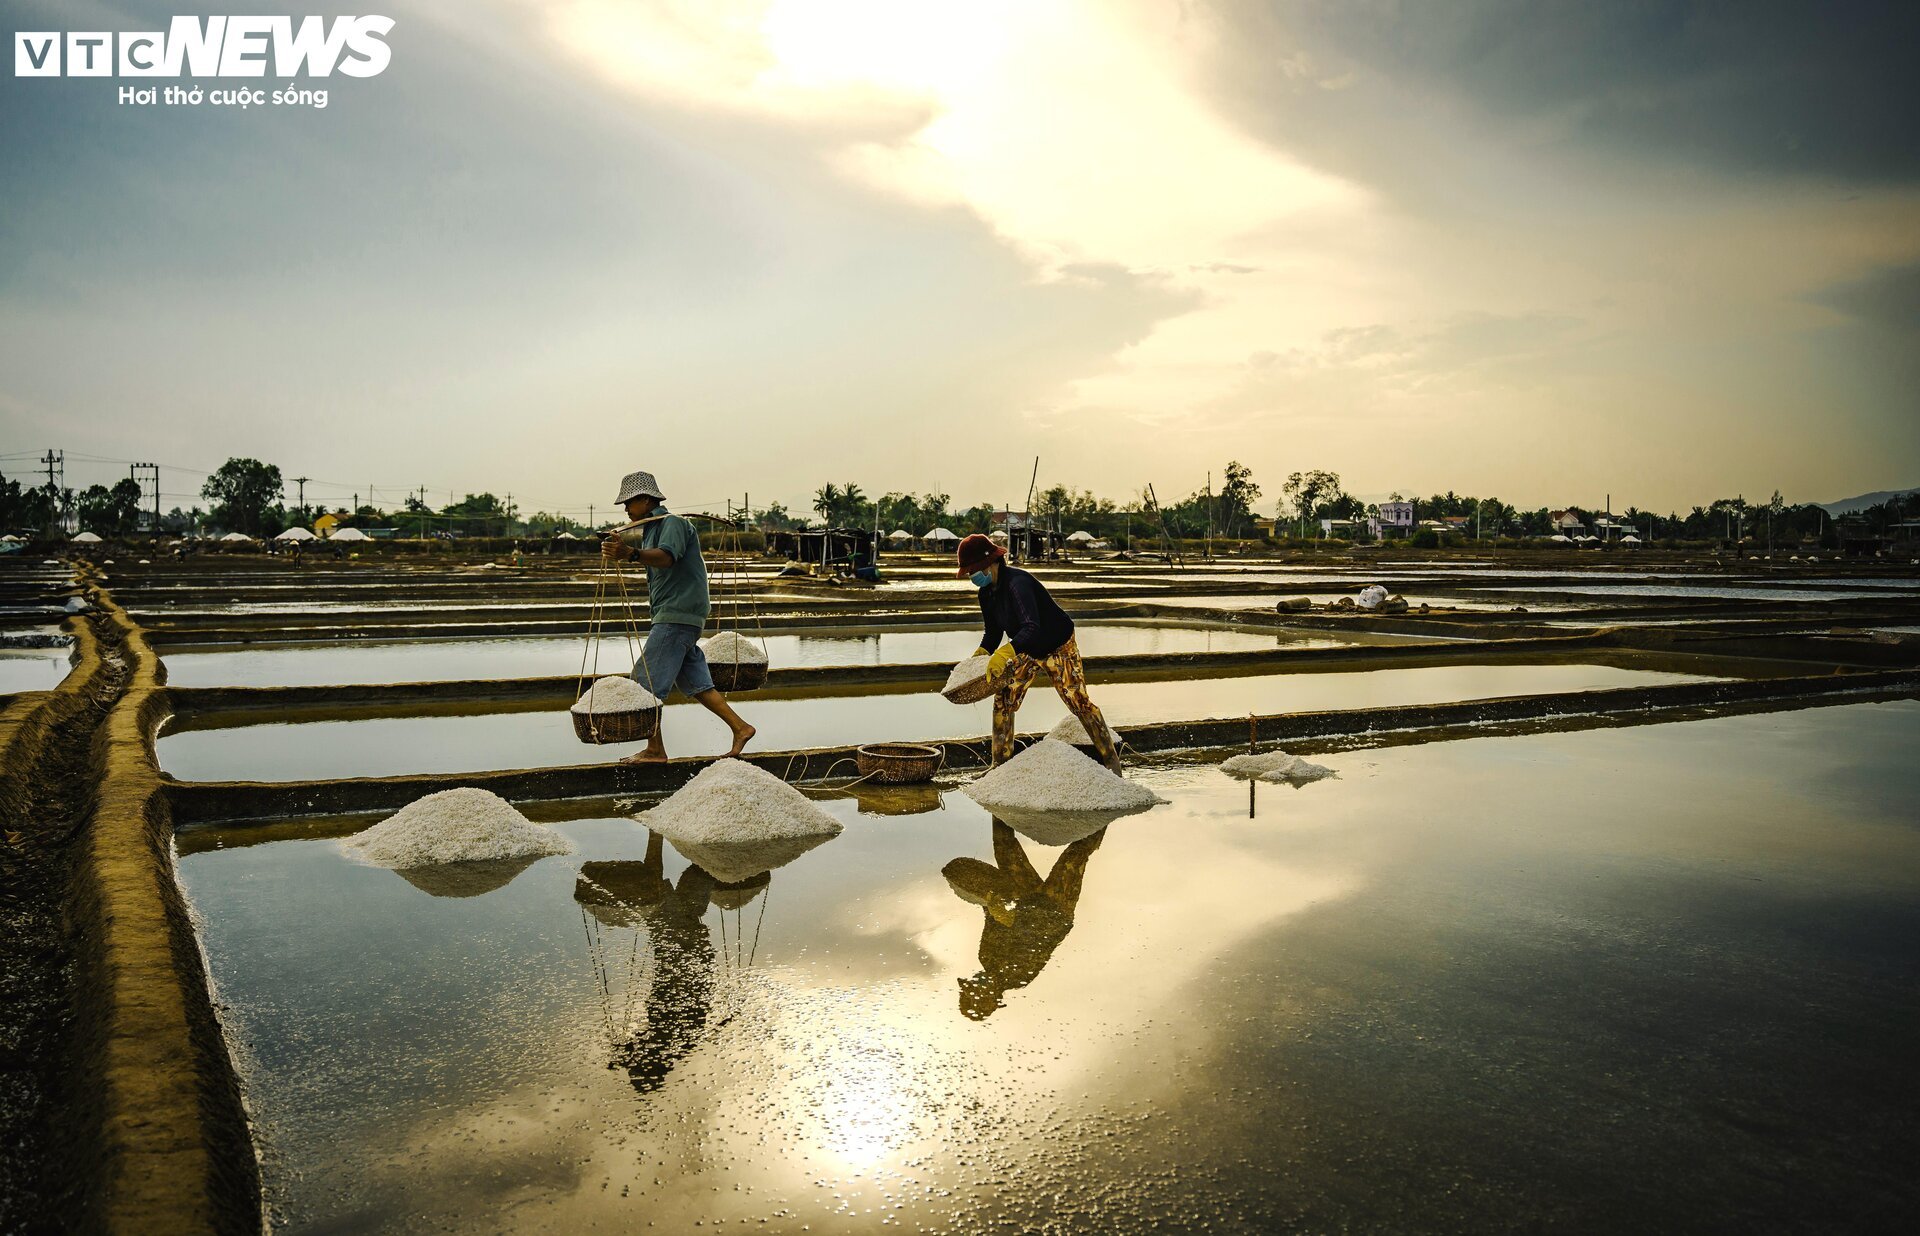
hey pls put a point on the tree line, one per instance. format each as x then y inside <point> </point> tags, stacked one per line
<point>247,495</point>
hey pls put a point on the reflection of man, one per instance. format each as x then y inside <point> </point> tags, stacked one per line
<point>1026,917</point>
<point>681,991</point>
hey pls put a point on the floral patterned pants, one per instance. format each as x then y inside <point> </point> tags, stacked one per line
<point>1069,679</point>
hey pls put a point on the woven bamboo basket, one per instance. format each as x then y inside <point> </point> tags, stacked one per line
<point>633,725</point>
<point>731,676</point>
<point>981,688</point>
<point>897,763</point>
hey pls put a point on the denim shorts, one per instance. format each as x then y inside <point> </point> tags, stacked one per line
<point>672,658</point>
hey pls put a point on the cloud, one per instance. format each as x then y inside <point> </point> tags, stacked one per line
<point>1769,87</point>
<point>1889,298</point>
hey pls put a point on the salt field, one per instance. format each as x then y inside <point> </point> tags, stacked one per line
<point>390,746</point>
<point>33,669</point>
<point>1390,1000</point>
<point>1585,900</point>
<point>420,661</point>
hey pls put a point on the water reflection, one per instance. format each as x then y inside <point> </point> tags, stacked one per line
<point>664,972</point>
<point>469,879</point>
<point>652,953</point>
<point>876,799</point>
<point>1024,917</point>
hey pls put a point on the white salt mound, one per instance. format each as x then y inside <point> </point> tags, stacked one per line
<point>1275,766</point>
<point>615,693</point>
<point>455,826</point>
<point>731,802</point>
<point>733,648</point>
<point>1070,729</point>
<point>969,670</point>
<point>1372,596</point>
<point>1052,776</point>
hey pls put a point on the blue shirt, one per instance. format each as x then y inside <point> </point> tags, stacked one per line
<point>676,593</point>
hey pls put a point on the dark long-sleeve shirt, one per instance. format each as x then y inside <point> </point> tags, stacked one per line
<point>1020,608</point>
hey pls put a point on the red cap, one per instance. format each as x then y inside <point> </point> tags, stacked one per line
<point>977,551</point>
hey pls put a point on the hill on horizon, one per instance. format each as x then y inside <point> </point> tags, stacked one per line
<point>1846,506</point>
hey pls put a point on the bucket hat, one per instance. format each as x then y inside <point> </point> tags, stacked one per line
<point>975,552</point>
<point>637,485</point>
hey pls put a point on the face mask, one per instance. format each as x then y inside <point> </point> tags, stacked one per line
<point>981,579</point>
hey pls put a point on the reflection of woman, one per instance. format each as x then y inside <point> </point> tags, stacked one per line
<point>1026,917</point>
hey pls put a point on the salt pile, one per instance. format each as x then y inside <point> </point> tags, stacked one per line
<point>733,648</point>
<point>1052,776</point>
<point>615,693</point>
<point>1070,729</point>
<point>732,802</point>
<point>967,673</point>
<point>1277,767</point>
<point>1372,596</point>
<point>734,821</point>
<point>455,826</point>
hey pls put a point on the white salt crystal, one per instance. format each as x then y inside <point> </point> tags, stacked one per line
<point>1275,766</point>
<point>732,802</point>
<point>455,826</point>
<point>1070,729</point>
<point>1051,776</point>
<point>733,648</point>
<point>615,693</point>
<point>968,671</point>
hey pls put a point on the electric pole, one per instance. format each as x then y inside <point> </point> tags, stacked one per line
<point>153,472</point>
<point>55,460</point>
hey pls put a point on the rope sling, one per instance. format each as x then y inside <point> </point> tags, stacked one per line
<point>626,725</point>
<point>633,725</point>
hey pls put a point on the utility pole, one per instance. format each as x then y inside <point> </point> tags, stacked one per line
<point>153,472</point>
<point>301,481</point>
<point>54,460</point>
<point>1209,555</point>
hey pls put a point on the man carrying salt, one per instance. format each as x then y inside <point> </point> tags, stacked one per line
<point>677,597</point>
<point>1039,636</point>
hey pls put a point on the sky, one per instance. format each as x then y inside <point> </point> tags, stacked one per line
<point>1545,251</point>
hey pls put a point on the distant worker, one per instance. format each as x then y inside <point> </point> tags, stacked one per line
<point>1039,634</point>
<point>678,602</point>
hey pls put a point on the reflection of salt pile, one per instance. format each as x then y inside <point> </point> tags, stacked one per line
<point>731,647</point>
<point>615,693</point>
<point>735,820</point>
<point>1056,795</point>
<point>1275,766</point>
<point>455,826</point>
<point>1069,729</point>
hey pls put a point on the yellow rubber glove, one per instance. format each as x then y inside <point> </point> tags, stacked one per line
<point>998,662</point>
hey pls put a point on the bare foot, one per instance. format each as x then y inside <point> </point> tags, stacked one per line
<point>741,737</point>
<point>646,757</point>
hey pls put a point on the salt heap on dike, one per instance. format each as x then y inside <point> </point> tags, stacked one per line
<point>455,826</point>
<point>1069,729</point>
<point>1051,776</point>
<point>615,693</point>
<point>735,820</point>
<point>1054,795</point>
<point>1277,767</point>
<point>733,648</point>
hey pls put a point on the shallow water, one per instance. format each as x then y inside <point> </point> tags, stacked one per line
<point>33,669</point>
<point>1483,985</point>
<point>1710,591</point>
<point>450,660</point>
<point>387,746</point>
<point>1265,600</point>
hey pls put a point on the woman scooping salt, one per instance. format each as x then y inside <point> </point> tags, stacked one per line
<point>1039,635</point>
